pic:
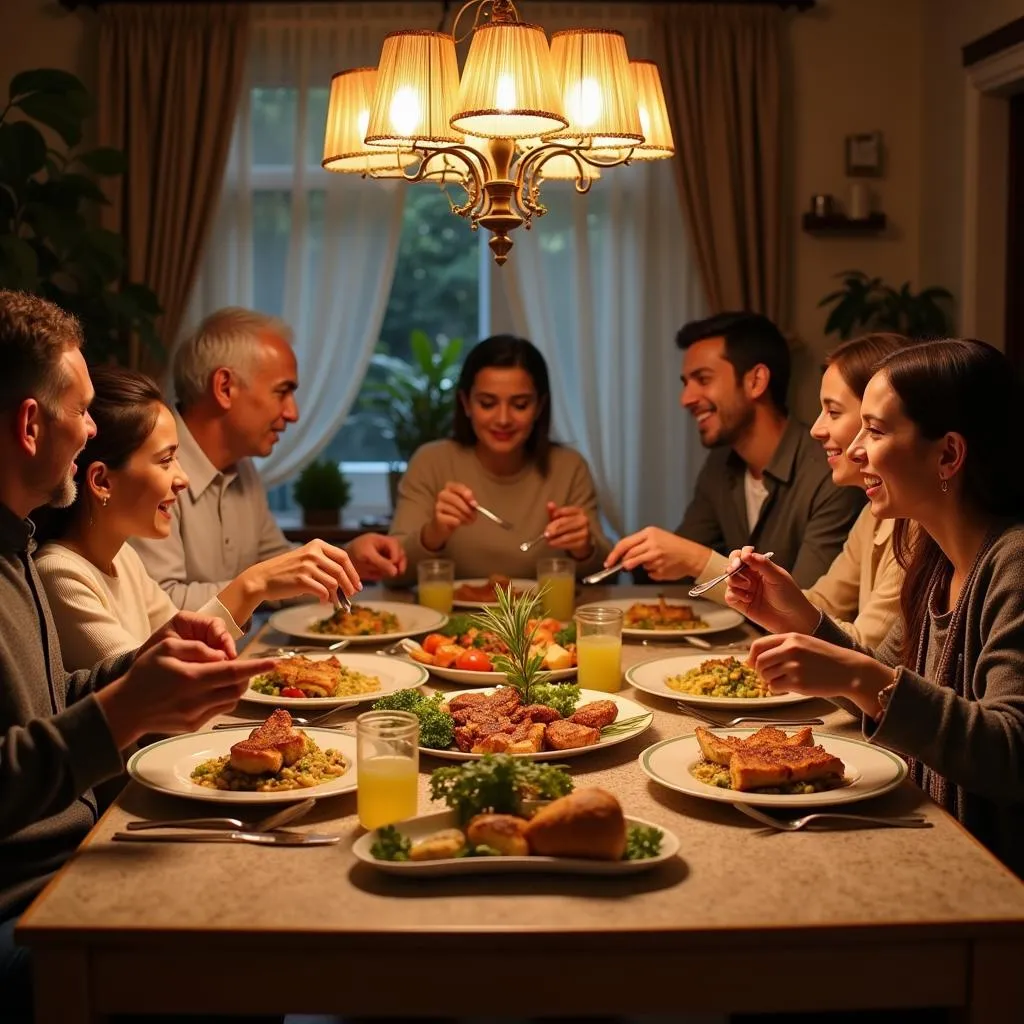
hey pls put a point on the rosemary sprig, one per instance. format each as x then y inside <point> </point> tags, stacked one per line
<point>509,621</point>
<point>626,725</point>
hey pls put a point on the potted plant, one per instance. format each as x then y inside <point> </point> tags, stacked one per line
<point>868,304</point>
<point>50,243</point>
<point>322,491</point>
<point>413,401</point>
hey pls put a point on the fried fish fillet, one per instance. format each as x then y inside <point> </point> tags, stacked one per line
<point>270,746</point>
<point>721,748</point>
<point>758,767</point>
<point>314,678</point>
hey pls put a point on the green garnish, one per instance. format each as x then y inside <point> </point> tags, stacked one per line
<point>626,725</point>
<point>457,625</point>
<point>437,727</point>
<point>643,841</point>
<point>497,784</point>
<point>563,697</point>
<point>509,621</point>
<point>390,844</point>
<point>566,636</point>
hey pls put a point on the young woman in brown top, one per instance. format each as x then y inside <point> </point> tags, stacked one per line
<point>938,446</point>
<point>501,456</point>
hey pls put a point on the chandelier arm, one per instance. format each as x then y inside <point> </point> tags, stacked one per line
<point>618,161</point>
<point>464,154</point>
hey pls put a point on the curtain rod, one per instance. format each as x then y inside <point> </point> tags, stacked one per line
<point>800,5</point>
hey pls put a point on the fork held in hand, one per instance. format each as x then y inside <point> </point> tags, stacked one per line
<point>796,824</point>
<point>703,588</point>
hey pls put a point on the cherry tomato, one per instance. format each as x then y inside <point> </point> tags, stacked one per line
<point>291,691</point>
<point>433,641</point>
<point>474,661</point>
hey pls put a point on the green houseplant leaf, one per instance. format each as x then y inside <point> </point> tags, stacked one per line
<point>866,304</point>
<point>322,486</point>
<point>49,244</point>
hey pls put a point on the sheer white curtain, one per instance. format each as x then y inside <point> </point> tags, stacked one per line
<point>292,240</point>
<point>601,284</point>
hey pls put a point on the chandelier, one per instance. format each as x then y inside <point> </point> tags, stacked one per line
<point>521,113</point>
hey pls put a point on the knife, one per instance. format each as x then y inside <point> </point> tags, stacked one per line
<point>283,817</point>
<point>504,524</point>
<point>258,838</point>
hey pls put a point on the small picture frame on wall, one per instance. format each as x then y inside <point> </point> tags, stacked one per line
<point>864,155</point>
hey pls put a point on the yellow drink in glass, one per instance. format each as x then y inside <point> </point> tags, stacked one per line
<point>386,791</point>
<point>600,663</point>
<point>437,594</point>
<point>560,597</point>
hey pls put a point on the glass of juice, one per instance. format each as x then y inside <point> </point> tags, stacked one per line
<point>387,766</point>
<point>436,579</point>
<point>560,597</point>
<point>599,648</point>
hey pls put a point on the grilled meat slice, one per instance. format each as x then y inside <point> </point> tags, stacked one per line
<point>597,714</point>
<point>564,735</point>
<point>315,678</point>
<point>528,740</point>
<point>251,757</point>
<point>274,743</point>
<point>758,767</point>
<point>496,743</point>
<point>535,713</point>
<point>721,748</point>
<point>505,700</point>
<point>467,700</point>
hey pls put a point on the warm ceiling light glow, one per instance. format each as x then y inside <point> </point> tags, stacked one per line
<point>348,114</point>
<point>523,113</point>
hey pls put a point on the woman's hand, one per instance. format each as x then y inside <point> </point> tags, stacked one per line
<point>569,530</point>
<point>454,506</point>
<point>795,663</point>
<point>767,594</point>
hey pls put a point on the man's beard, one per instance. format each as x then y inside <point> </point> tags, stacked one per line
<point>733,424</point>
<point>63,496</point>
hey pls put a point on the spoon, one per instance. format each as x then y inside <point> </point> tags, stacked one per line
<point>527,544</point>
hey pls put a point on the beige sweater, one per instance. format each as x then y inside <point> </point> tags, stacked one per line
<point>483,547</point>
<point>860,591</point>
<point>98,615</point>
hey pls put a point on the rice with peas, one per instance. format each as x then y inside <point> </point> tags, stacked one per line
<point>316,766</point>
<point>713,774</point>
<point>720,677</point>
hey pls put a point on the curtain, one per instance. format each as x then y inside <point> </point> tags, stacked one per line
<point>315,248</point>
<point>721,67</point>
<point>168,85</point>
<point>601,284</point>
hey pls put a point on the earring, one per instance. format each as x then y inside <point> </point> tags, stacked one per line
<point>106,499</point>
<point>944,485</point>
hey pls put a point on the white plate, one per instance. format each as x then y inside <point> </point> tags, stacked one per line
<point>423,825</point>
<point>393,673</point>
<point>872,770</point>
<point>717,617</point>
<point>650,676</point>
<point>627,709</point>
<point>517,584</point>
<point>167,765</point>
<point>463,678</point>
<point>413,619</point>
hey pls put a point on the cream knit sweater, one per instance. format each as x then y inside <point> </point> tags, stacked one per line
<point>99,615</point>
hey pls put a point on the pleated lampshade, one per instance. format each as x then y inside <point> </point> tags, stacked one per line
<point>348,114</point>
<point>507,89</point>
<point>417,83</point>
<point>596,87</point>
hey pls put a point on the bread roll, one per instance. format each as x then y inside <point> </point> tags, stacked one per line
<point>449,842</point>
<point>501,832</point>
<point>587,823</point>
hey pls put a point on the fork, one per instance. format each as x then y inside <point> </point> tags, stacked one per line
<point>267,824</point>
<point>703,588</point>
<point>494,518</point>
<point>527,544</point>
<point>285,652</point>
<point>708,720</point>
<point>796,824</point>
<point>296,719</point>
<point>603,574</point>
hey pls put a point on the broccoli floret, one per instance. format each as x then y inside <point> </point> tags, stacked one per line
<point>400,700</point>
<point>437,727</point>
<point>390,844</point>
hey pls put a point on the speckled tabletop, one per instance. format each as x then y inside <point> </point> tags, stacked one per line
<point>838,918</point>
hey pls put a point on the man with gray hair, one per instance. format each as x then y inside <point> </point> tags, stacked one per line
<point>62,733</point>
<point>235,381</point>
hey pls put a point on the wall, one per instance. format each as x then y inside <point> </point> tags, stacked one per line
<point>42,34</point>
<point>855,66</point>
<point>947,26</point>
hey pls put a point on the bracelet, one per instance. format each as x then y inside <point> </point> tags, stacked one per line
<point>885,694</point>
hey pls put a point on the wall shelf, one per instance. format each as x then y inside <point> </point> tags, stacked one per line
<point>840,224</point>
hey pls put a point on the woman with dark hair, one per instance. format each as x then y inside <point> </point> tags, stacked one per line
<point>500,456</point>
<point>940,425</point>
<point>103,601</point>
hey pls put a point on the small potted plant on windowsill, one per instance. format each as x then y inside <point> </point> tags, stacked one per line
<point>322,492</point>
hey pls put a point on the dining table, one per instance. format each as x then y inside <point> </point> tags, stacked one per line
<point>745,919</point>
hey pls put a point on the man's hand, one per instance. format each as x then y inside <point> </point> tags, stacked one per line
<point>204,630</point>
<point>376,556</point>
<point>569,530</point>
<point>175,685</point>
<point>664,555</point>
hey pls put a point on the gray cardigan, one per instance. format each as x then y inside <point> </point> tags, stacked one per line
<point>55,744</point>
<point>970,731</point>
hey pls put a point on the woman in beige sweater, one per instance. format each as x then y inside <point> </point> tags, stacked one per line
<point>501,457</point>
<point>938,447</point>
<point>103,601</point>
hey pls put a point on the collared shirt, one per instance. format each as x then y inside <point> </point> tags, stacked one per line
<point>805,519</point>
<point>220,525</point>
